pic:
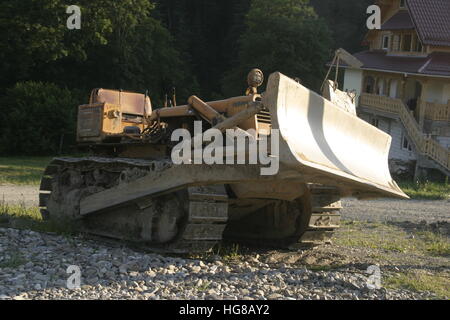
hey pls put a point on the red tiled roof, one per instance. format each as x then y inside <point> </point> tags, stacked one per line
<point>432,20</point>
<point>399,21</point>
<point>436,64</point>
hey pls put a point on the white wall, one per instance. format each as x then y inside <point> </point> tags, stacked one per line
<point>353,81</point>
<point>434,92</point>
<point>397,151</point>
<point>396,131</point>
<point>393,90</point>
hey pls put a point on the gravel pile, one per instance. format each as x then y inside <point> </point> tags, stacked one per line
<point>33,266</point>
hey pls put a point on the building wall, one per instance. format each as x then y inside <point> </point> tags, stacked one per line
<point>444,141</point>
<point>397,151</point>
<point>434,92</point>
<point>353,81</point>
<point>446,93</point>
<point>396,130</point>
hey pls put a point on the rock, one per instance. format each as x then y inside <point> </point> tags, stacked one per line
<point>196,269</point>
<point>274,296</point>
<point>123,268</point>
<point>109,272</point>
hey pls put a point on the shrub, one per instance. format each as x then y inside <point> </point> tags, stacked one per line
<point>36,117</point>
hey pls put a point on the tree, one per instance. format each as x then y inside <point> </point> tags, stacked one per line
<point>120,45</point>
<point>285,36</point>
<point>346,20</point>
<point>33,34</point>
<point>37,119</point>
<point>206,32</point>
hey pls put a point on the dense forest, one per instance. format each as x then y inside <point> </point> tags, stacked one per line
<point>202,47</point>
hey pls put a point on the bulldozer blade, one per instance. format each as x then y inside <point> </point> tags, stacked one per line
<point>327,144</point>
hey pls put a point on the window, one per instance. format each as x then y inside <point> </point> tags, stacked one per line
<point>386,42</point>
<point>405,144</point>
<point>381,87</point>
<point>395,43</point>
<point>369,84</point>
<point>418,45</point>
<point>406,42</point>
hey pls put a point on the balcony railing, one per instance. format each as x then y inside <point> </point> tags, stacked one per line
<point>436,111</point>
<point>424,144</point>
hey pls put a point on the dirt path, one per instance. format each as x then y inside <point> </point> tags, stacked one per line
<point>19,195</point>
<point>396,210</point>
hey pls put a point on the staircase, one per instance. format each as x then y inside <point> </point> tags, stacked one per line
<point>425,145</point>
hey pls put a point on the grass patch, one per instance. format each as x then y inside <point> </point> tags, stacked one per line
<point>435,244</point>
<point>228,251</point>
<point>21,217</point>
<point>392,238</point>
<point>426,190</point>
<point>22,170</point>
<point>419,282</point>
<point>205,286</point>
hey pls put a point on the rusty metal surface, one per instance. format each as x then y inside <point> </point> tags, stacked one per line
<point>130,102</point>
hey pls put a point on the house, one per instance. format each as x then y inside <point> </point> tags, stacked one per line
<point>403,86</point>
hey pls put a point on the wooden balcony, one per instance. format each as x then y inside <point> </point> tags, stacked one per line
<point>436,111</point>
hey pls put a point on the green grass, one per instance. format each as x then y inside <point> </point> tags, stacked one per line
<point>227,252</point>
<point>205,286</point>
<point>419,282</point>
<point>426,190</point>
<point>391,238</point>
<point>22,170</point>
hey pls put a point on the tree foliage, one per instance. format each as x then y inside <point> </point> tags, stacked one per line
<point>202,47</point>
<point>285,36</point>
<point>35,117</point>
<point>120,45</point>
<point>346,20</point>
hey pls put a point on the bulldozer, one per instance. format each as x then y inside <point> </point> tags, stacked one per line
<point>129,187</point>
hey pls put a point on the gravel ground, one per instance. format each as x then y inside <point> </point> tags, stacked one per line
<point>34,267</point>
<point>396,210</point>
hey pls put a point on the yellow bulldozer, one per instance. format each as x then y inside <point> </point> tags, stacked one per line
<point>130,188</point>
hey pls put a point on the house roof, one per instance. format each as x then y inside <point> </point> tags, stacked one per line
<point>432,20</point>
<point>436,64</point>
<point>439,64</point>
<point>399,21</point>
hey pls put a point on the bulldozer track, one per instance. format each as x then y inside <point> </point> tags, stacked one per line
<point>315,228</point>
<point>205,208</point>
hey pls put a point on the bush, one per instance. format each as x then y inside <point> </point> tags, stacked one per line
<point>35,116</point>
